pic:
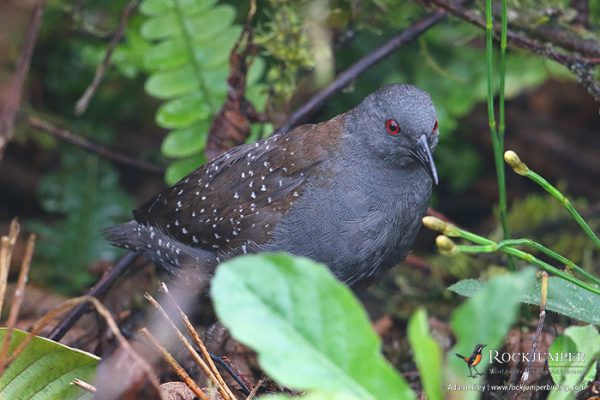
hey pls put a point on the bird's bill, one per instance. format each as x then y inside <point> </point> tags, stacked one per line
<point>424,156</point>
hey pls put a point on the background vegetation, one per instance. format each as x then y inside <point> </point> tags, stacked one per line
<point>150,119</point>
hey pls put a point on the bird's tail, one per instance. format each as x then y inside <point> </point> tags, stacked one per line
<point>124,235</point>
<point>460,356</point>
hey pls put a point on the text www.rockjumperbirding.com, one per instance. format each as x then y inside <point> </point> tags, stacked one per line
<point>520,388</point>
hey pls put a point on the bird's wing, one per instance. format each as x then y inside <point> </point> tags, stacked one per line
<point>240,196</point>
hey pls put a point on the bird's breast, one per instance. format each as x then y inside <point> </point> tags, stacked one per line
<point>355,223</point>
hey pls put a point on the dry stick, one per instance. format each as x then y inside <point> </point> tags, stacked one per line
<point>361,66</point>
<point>9,109</point>
<point>8,244</point>
<point>178,369</point>
<point>197,340</point>
<point>538,331</point>
<point>84,385</point>
<point>98,290</point>
<point>255,388</point>
<point>95,148</point>
<point>103,312</point>
<point>4,266</point>
<point>83,103</point>
<point>50,315</point>
<point>17,299</point>
<point>199,361</point>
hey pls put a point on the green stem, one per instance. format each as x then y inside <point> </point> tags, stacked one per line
<point>497,136</point>
<point>502,127</point>
<point>488,246</point>
<point>564,201</point>
<point>549,268</point>
<point>550,253</point>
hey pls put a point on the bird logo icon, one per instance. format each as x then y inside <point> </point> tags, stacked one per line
<point>473,360</point>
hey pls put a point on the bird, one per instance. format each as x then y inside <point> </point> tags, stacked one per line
<point>349,192</point>
<point>473,360</point>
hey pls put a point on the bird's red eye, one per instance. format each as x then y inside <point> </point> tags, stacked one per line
<point>435,127</point>
<point>392,127</point>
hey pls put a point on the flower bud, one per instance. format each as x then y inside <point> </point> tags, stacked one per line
<point>446,246</point>
<point>515,162</point>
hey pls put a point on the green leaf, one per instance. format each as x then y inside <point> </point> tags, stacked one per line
<point>486,318</point>
<point>205,26</point>
<point>183,111</point>
<point>570,356</point>
<point>308,329</point>
<point>45,370</point>
<point>187,141</point>
<point>210,53</point>
<point>563,297</point>
<point>161,27</point>
<point>171,83</point>
<point>158,7</point>
<point>427,354</point>
<point>181,168</point>
<point>166,55</point>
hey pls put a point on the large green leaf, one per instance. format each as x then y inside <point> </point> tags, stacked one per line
<point>485,319</point>
<point>571,355</point>
<point>308,329</point>
<point>45,370</point>
<point>563,297</point>
<point>427,354</point>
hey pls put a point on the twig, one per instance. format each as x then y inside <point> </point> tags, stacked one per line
<point>92,147</point>
<point>82,104</point>
<point>538,332</point>
<point>84,385</point>
<point>8,110</point>
<point>255,388</point>
<point>8,243</point>
<point>98,290</point>
<point>177,368</point>
<point>102,311</point>
<point>566,39</point>
<point>199,361</point>
<point>233,372</point>
<point>190,328</point>
<point>17,299</point>
<point>577,65</point>
<point>4,267</point>
<point>344,78</point>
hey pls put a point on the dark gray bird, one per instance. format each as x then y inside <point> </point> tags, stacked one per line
<point>349,192</point>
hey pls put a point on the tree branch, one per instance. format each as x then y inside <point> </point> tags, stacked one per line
<point>361,66</point>
<point>579,66</point>
<point>84,101</point>
<point>95,148</point>
<point>11,100</point>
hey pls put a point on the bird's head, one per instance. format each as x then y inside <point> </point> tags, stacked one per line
<point>397,123</point>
